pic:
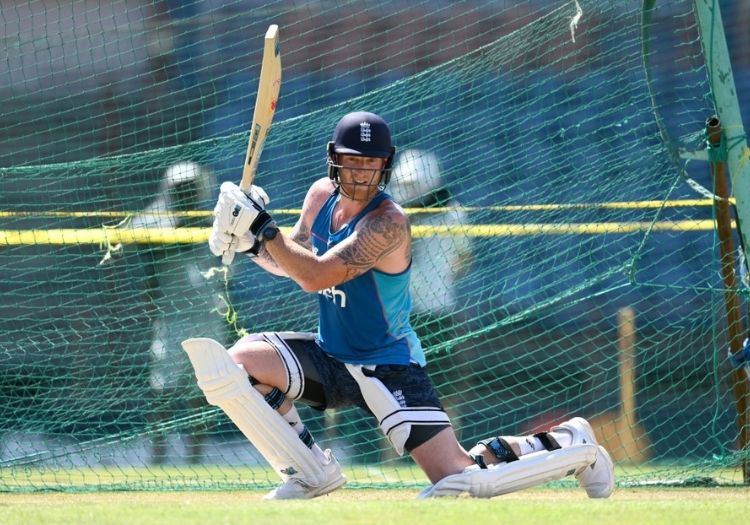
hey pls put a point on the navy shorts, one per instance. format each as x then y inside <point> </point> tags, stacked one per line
<point>328,384</point>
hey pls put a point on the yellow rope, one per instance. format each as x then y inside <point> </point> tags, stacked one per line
<point>109,236</point>
<point>632,205</point>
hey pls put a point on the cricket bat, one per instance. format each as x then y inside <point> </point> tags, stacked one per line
<point>265,104</point>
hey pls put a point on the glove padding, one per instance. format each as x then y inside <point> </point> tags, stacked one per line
<point>238,213</point>
<point>226,245</point>
<point>235,213</point>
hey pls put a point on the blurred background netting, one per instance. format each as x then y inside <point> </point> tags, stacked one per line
<point>563,263</point>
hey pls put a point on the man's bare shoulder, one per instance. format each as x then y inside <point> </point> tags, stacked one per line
<point>323,185</point>
<point>319,191</point>
<point>389,211</point>
<point>383,242</point>
<point>388,223</point>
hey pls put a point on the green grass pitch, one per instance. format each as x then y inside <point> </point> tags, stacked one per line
<point>560,506</point>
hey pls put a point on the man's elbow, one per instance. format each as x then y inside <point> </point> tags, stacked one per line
<point>315,283</point>
<point>310,283</point>
<point>318,275</point>
<point>308,286</point>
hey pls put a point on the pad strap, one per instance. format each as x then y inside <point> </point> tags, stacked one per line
<point>479,460</point>
<point>275,398</point>
<point>307,438</point>
<point>533,469</point>
<point>549,442</point>
<point>501,448</point>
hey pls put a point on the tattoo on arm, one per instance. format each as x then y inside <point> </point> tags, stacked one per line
<point>377,238</point>
<point>301,235</point>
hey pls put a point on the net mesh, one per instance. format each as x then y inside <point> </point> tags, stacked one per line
<point>560,220</point>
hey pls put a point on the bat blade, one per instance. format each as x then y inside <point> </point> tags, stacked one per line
<point>265,104</point>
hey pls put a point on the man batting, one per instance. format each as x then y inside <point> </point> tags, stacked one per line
<point>352,245</point>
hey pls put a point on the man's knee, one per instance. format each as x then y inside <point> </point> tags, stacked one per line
<point>261,361</point>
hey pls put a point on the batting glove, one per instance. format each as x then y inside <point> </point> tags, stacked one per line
<point>238,213</point>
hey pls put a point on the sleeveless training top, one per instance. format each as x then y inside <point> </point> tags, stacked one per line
<point>365,320</point>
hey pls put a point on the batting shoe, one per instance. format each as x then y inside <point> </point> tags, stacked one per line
<point>598,479</point>
<point>295,488</point>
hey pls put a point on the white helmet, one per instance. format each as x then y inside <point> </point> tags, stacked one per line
<point>181,172</point>
<point>416,174</point>
<point>186,171</point>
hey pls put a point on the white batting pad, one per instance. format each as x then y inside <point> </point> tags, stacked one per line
<point>227,386</point>
<point>503,478</point>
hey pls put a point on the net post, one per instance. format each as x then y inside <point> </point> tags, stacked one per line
<point>629,429</point>
<point>731,298</point>
<point>626,356</point>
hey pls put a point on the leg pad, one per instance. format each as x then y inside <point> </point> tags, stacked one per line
<point>227,386</point>
<point>503,478</point>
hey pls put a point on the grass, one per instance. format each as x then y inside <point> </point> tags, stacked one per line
<point>216,496</point>
<point>387,476</point>
<point>560,506</point>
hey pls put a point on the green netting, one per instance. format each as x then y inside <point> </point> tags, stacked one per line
<point>544,117</point>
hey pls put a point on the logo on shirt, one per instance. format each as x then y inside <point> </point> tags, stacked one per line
<point>338,297</point>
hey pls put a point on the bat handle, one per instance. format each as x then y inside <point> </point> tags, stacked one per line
<point>247,182</point>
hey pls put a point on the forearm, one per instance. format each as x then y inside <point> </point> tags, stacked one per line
<point>296,261</point>
<point>266,261</point>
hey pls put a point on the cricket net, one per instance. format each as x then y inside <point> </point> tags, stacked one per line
<point>579,277</point>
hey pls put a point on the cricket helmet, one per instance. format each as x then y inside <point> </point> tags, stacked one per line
<point>362,134</point>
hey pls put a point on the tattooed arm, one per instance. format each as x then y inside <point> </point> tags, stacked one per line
<point>300,234</point>
<point>381,241</point>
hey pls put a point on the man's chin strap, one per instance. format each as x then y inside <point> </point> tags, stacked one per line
<point>358,189</point>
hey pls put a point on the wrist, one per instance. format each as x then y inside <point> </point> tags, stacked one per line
<point>262,221</point>
<point>270,232</point>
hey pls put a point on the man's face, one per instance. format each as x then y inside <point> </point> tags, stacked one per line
<point>359,176</point>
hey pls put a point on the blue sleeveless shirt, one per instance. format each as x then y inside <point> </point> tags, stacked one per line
<point>365,320</point>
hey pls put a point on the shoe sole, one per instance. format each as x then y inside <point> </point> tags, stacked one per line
<point>338,483</point>
<point>320,491</point>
